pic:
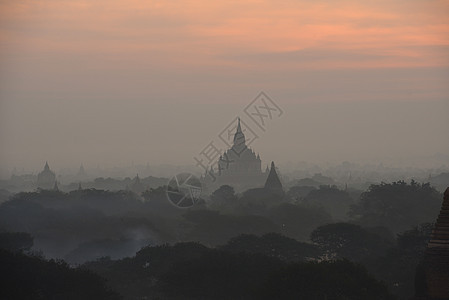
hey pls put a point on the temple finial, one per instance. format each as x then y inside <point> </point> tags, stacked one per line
<point>273,183</point>
<point>239,137</point>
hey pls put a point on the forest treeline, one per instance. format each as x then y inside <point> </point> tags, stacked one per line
<point>377,236</point>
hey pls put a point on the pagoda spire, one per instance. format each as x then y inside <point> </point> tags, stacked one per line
<point>239,137</point>
<point>239,128</point>
<point>46,168</point>
<point>440,233</point>
<point>273,183</point>
<point>81,170</point>
<point>436,257</point>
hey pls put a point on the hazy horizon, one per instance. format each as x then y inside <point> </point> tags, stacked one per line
<point>107,84</point>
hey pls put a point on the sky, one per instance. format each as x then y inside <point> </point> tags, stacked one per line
<point>118,82</point>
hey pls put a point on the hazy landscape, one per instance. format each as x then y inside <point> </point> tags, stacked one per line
<point>224,150</point>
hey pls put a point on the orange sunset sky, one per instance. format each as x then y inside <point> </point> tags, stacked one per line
<point>368,34</point>
<point>66,65</point>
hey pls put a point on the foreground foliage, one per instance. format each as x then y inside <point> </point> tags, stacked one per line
<point>32,277</point>
<point>192,271</point>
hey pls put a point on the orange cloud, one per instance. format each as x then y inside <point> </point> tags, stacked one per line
<point>387,33</point>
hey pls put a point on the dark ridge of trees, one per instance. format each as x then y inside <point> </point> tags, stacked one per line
<point>68,225</point>
<point>397,206</point>
<point>31,277</point>
<point>335,201</point>
<point>192,271</point>
<point>107,202</point>
<point>136,277</point>
<point>16,241</point>
<point>297,193</point>
<point>224,195</point>
<point>224,199</point>
<point>89,224</point>
<point>63,223</point>
<point>153,269</point>
<point>114,248</point>
<point>272,245</point>
<point>213,228</point>
<point>256,201</point>
<point>298,221</point>
<point>401,263</point>
<point>4,195</point>
<point>217,275</point>
<point>326,280</point>
<point>394,261</point>
<point>415,240</point>
<point>344,240</point>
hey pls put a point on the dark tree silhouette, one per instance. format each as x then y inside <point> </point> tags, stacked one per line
<point>273,245</point>
<point>223,199</point>
<point>16,241</point>
<point>29,277</point>
<point>192,271</point>
<point>213,228</point>
<point>416,239</point>
<point>400,264</point>
<point>298,221</point>
<point>297,193</point>
<point>224,193</point>
<point>397,205</point>
<point>339,280</point>
<point>335,201</point>
<point>344,240</point>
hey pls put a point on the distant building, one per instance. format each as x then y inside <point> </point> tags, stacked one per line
<point>433,277</point>
<point>81,175</point>
<point>55,187</point>
<point>273,183</point>
<point>137,186</point>
<point>239,167</point>
<point>46,179</point>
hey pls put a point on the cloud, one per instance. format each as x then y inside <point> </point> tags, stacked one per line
<point>199,33</point>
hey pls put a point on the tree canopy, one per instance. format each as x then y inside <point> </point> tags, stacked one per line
<point>397,205</point>
<point>344,240</point>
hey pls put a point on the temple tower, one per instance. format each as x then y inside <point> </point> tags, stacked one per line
<point>46,179</point>
<point>273,183</point>
<point>137,186</point>
<point>436,259</point>
<point>239,160</point>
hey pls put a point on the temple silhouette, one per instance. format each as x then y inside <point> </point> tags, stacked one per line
<point>46,179</point>
<point>241,168</point>
<point>432,278</point>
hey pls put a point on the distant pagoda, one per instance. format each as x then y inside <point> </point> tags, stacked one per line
<point>81,175</point>
<point>239,167</point>
<point>46,179</point>
<point>137,186</point>
<point>273,183</point>
<point>239,159</point>
<point>436,259</point>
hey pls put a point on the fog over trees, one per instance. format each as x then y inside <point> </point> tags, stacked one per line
<point>260,244</point>
<point>233,232</point>
<point>224,150</point>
